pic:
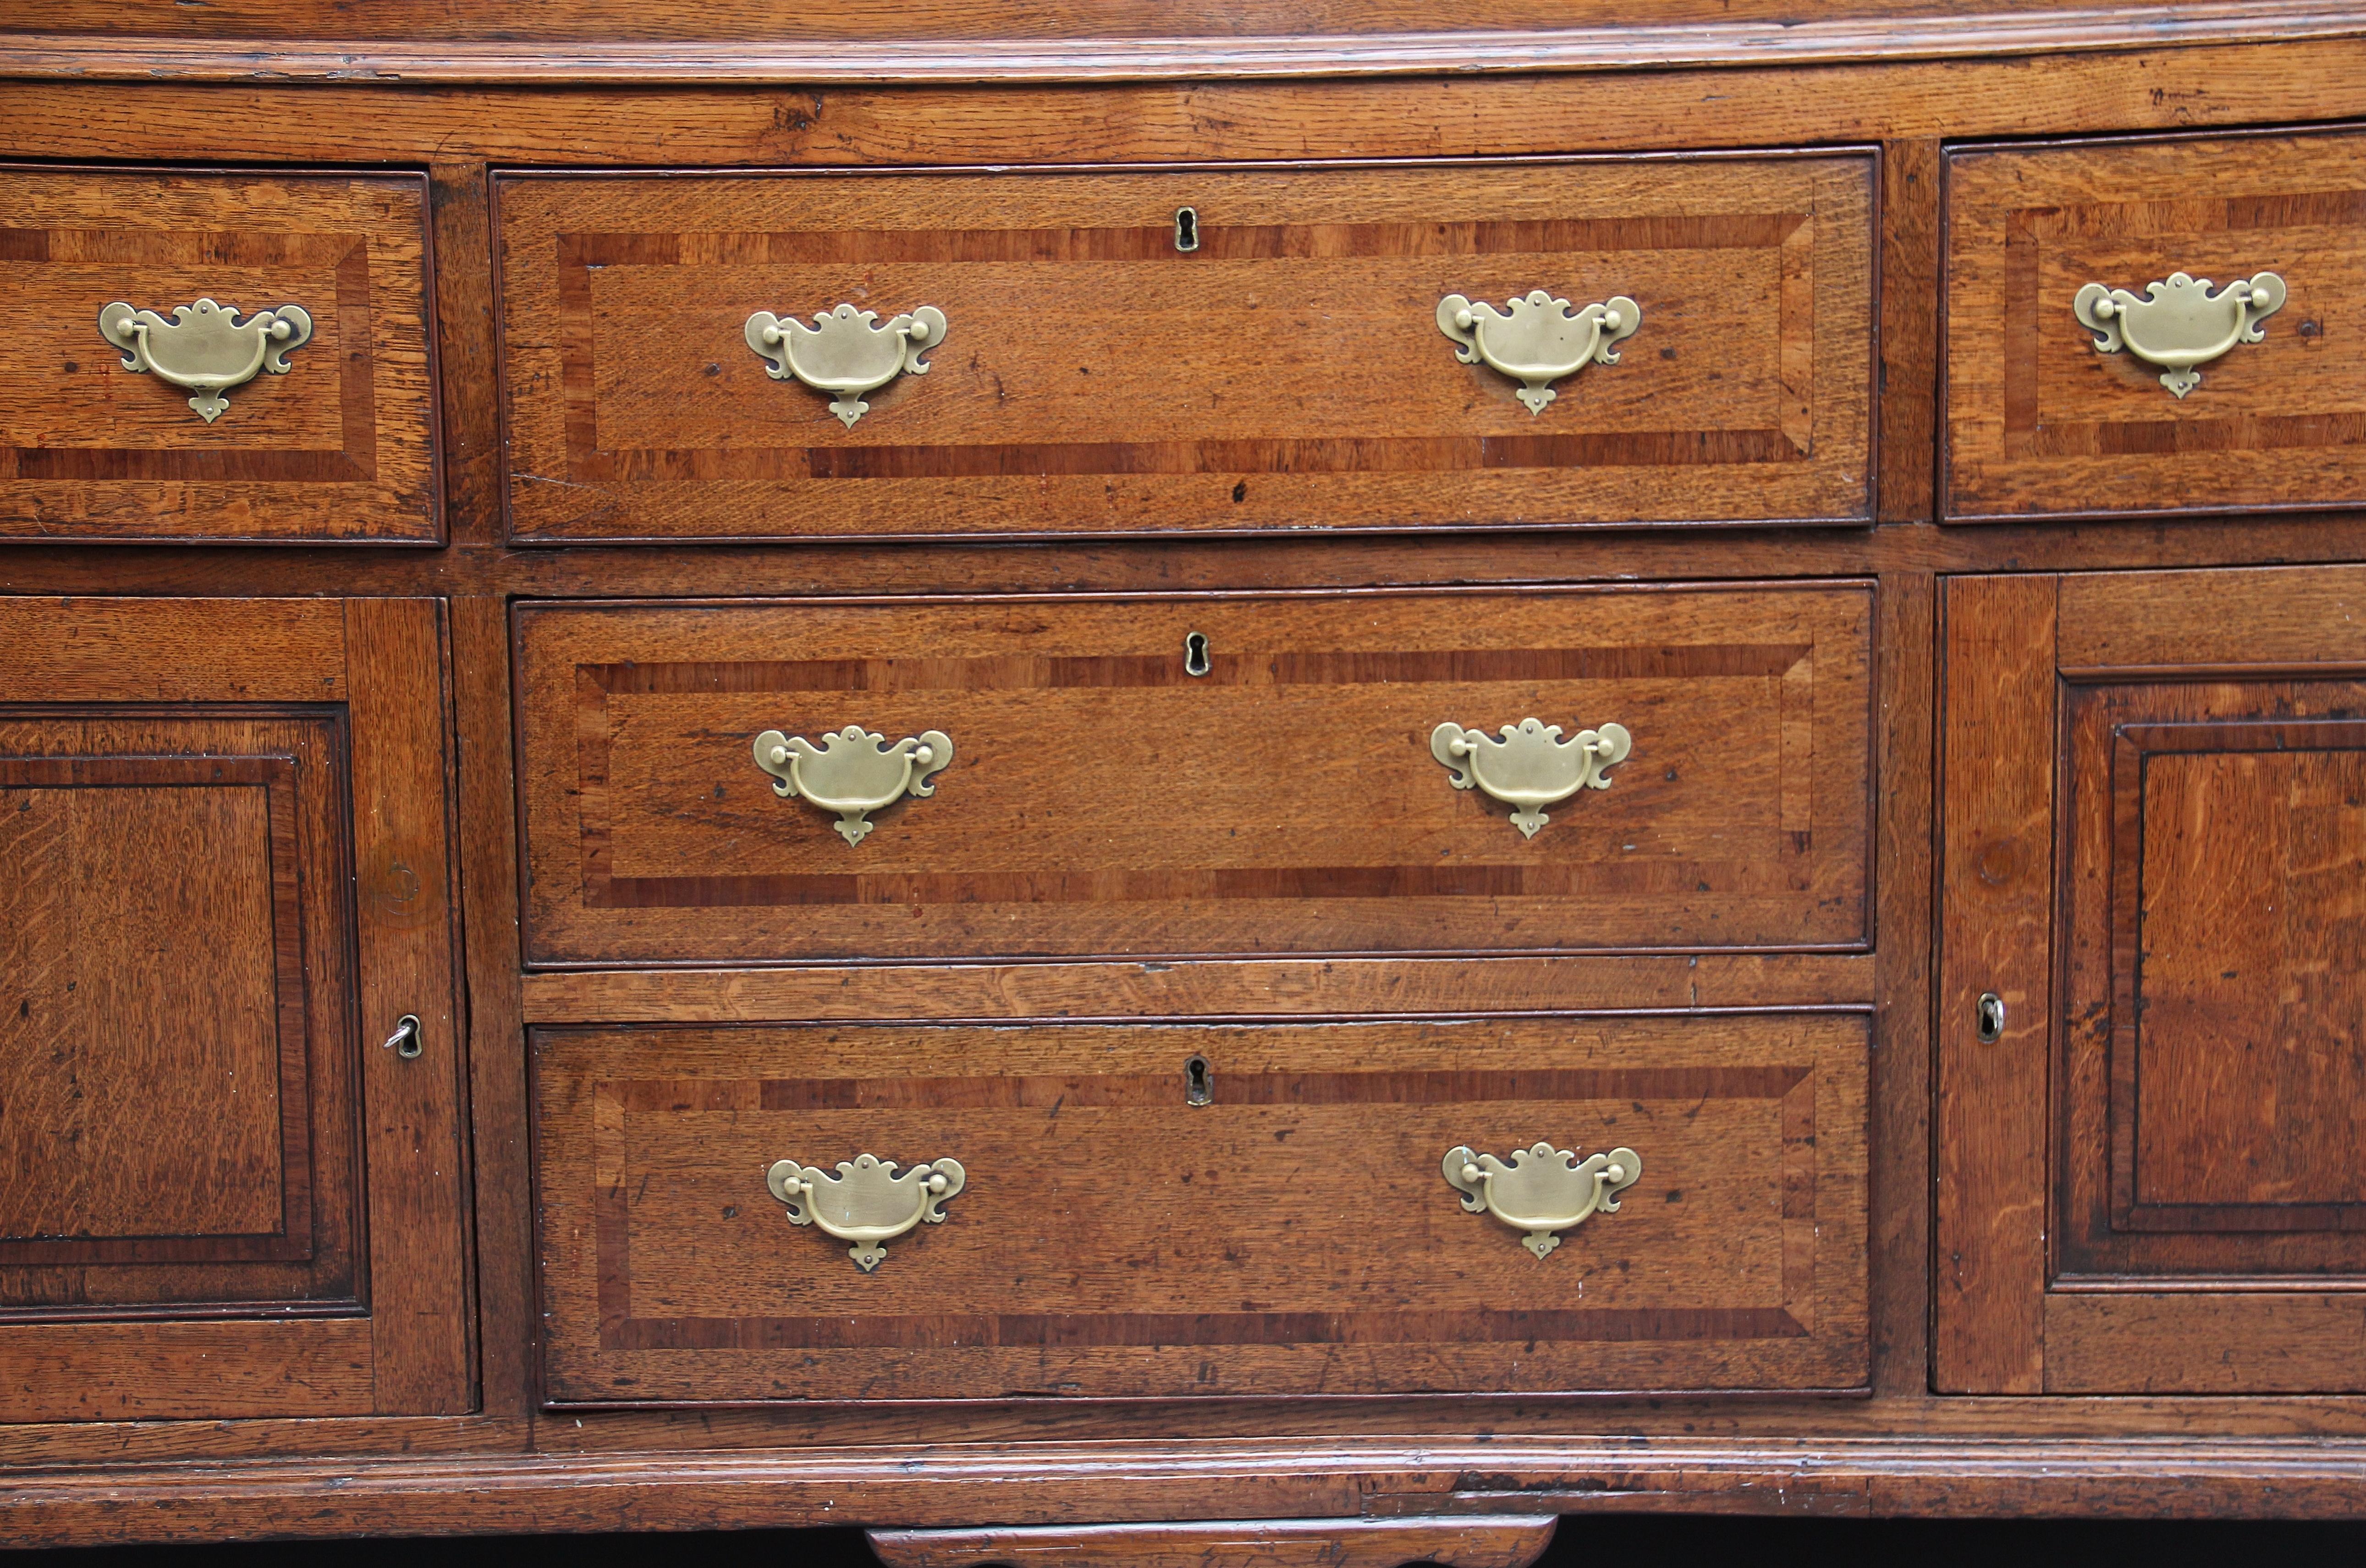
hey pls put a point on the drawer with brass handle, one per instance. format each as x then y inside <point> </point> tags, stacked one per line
<point>215,355</point>
<point>1542,343</point>
<point>1532,770</point>
<point>2156,325</point>
<point>928,1211</point>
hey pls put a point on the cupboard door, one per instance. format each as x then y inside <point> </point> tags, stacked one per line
<point>222,880</point>
<point>2148,1171</point>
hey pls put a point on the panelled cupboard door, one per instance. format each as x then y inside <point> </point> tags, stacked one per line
<point>2152,1009</point>
<point>1162,1209</point>
<point>224,880</point>
<point>207,355</point>
<point>1186,351</point>
<point>2156,325</point>
<point>1191,775</point>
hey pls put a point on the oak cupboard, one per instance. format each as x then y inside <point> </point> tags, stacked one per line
<point>223,864</point>
<point>1178,784</point>
<point>2141,1177</point>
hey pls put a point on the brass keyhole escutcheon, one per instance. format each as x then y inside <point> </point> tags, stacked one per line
<point>1992,1017</point>
<point>1198,1083</point>
<point>1186,229</point>
<point>1195,655</point>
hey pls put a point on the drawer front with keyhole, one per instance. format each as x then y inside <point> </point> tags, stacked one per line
<point>917,1212</point>
<point>1547,343</point>
<point>1403,771</point>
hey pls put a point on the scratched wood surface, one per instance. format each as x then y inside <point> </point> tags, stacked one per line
<point>1288,374</point>
<point>1292,1236</point>
<point>1103,799</point>
<point>340,448</point>
<point>2039,423</point>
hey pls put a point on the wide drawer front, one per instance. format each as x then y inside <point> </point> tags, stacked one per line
<point>1044,355</point>
<point>2156,326</point>
<point>1696,1220</point>
<point>215,356</point>
<point>1031,777</point>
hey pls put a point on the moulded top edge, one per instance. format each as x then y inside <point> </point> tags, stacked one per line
<point>887,62</point>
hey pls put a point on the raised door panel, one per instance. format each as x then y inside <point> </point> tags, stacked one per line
<point>222,878</point>
<point>2041,424</point>
<point>339,447</point>
<point>1159,1210</point>
<point>1286,372</point>
<point>2148,1180</point>
<point>2216,914</point>
<point>175,938</point>
<point>1104,798</point>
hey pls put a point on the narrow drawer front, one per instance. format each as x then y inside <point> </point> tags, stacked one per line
<point>1295,1234</point>
<point>283,392</point>
<point>1298,797</point>
<point>2156,326</point>
<point>1087,375</point>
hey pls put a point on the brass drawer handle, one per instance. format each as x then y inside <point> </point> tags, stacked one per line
<point>1540,339</point>
<point>846,353</point>
<point>2180,324</point>
<point>866,1203</point>
<point>1531,767</point>
<point>1541,1190</point>
<point>204,347</point>
<point>853,772</point>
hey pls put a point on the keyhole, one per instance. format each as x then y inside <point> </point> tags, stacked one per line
<point>1187,229</point>
<point>1198,1083</point>
<point>1991,1016</point>
<point>1195,655</point>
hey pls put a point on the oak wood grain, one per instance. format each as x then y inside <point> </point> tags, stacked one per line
<point>2167,89</point>
<point>2223,1343</point>
<point>161,1372</point>
<point>2038,422</point>
<point>1102,799</point>
<point>1996,903</point>
<point>340,448</point>
<point>952,1484</point>
<point>2259,620</point>
<point>1276,988</point>
<point>242,650</point>
<point>420,1319</point>
<point>2209,1077</point>
<point>177,937</point>
<point>575,40</point>
<point>289,1322</point>
<point>156,993</point>
<point>1113,1241</point>
<point>1288,373</point>
<point>1470,1542</point>
<point>1904,742</point>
